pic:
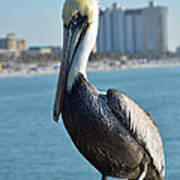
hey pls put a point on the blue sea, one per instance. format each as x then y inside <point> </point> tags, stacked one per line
<point>33,147</point>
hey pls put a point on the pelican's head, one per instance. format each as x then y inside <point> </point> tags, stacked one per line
<point>80,19</point>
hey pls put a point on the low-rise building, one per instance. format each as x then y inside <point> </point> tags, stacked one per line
<point>9,53</point>
<point>178,50</point>
<point>12,43</point>
<point>55,49</point>
<point>38,50</point>
<point>1,67</point>
<point>22,44</point>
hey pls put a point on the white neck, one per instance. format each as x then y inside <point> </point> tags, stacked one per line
<point>82,55</point>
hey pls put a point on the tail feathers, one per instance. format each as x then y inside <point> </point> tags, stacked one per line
<point>151,174</point>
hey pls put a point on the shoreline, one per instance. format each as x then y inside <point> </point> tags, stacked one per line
<point>23,70</point>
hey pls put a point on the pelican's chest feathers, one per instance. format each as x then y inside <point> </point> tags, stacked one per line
<point>83,106</point>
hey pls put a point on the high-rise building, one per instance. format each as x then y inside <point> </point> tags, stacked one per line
<point>12,43</point>
<point>133,30</point>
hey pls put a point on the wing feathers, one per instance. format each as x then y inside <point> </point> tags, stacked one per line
<point>140,124</point>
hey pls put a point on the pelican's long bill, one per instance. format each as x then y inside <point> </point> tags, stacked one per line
<point>74,32</point>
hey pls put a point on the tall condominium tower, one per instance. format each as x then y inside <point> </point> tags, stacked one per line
<point>133,30</point>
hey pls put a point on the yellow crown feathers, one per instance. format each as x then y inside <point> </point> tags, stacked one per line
<point>71,7</point>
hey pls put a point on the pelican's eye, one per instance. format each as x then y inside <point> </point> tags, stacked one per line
<point>78,20</point>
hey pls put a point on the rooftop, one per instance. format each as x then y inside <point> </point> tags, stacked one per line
<point>38,47</point>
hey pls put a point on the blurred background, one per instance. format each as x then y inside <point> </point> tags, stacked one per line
<point>137,52</point>
<point>130,32</point>
<point>40,21</point>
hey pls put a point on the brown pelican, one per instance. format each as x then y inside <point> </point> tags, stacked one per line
<point>116,135</point>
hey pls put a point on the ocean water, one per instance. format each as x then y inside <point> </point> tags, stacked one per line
<point>33,147</point>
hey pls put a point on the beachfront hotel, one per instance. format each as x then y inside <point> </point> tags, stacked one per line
<point>133,30</point>
<point>12,43</point>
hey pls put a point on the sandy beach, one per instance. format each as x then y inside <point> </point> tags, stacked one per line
<point>17,70</point>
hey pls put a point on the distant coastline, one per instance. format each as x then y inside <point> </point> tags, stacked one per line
<point>104,65</point>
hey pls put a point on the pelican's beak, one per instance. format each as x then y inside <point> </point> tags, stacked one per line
<point>73,35</point>
<point>62,80</point>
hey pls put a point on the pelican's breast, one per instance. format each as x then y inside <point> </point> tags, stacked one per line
<point>98,134</point>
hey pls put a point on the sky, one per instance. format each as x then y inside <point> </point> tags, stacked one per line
<point>39,21</point>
